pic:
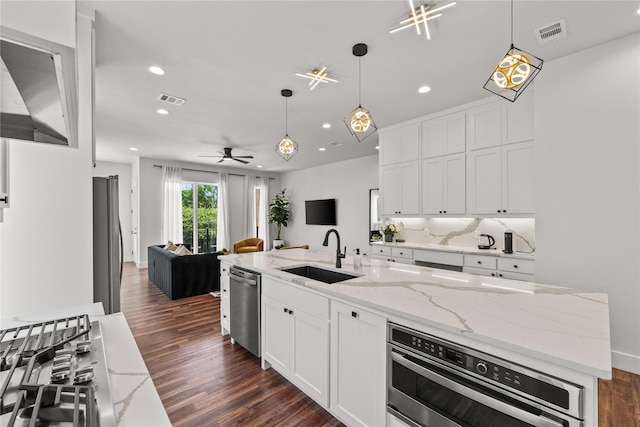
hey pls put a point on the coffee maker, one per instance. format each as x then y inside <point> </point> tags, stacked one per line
<point>509,244</point>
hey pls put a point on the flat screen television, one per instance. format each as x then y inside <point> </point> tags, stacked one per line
<point>320,212</point>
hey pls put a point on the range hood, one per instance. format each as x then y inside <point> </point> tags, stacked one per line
<point>38,88</point>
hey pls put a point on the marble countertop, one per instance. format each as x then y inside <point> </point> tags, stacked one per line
<point>468,250</point>
<point>564,326</point>
<point>135,400</point>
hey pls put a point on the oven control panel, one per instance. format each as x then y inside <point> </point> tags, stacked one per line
<point>487,367</point>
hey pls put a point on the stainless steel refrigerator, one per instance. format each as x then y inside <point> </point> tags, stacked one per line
<point>107,244</point>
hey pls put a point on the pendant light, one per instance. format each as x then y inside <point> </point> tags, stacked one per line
<point>359,121</point>
<point>515,71</point>
<point>287,147</point>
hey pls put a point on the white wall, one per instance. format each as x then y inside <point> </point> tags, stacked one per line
<point>46,251</point>
<point>349,183</point>
<point>150,200</point>
<point>587,110</point>
<point>123,171</point>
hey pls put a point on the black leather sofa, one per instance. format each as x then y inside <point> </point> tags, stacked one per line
<point>181,276</point>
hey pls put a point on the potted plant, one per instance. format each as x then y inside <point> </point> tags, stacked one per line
<point>389,229</point>
<point>279,215</point>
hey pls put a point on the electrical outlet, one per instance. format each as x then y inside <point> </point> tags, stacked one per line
<point>426,231</point>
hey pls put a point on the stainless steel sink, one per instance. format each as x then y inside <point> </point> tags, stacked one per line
<point>319,274</point>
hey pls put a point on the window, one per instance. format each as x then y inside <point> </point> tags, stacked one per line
<point>199,225</point>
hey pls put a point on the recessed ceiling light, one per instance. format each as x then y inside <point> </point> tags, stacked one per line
<point>637,12</point>
<point>326,125</point>
<point>377,147</point>
<point>322,149</point>
<point>156,70</point>
<point>162,111</point>
<point>424,89</point>
<point>133,149</point>
<point>260,166</point>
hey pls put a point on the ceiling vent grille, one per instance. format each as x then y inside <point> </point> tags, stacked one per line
<point>171,99</point>
<point>551,32</point>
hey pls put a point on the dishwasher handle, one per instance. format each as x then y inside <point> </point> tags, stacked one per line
<point>252,282</point>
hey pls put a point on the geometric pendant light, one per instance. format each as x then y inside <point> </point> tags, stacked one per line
<point>287,147</point>
<point>515,71</point>
<point>359,121</point>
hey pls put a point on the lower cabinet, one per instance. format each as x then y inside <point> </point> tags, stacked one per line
<point>225,311</point>
<point>510,268</point>
<point>358,365</point>
<point>296,336</point>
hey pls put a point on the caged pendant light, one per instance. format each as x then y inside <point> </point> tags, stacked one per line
<point>359,121</point>
<point>287,147</point>
<point>515,71</point>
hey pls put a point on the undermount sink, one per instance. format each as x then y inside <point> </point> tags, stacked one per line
<point>319,274</point>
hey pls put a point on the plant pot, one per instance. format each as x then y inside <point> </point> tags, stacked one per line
<point>277,243</point>
<point>388,237</point>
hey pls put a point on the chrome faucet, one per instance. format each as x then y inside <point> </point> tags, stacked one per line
<point>339,256</point>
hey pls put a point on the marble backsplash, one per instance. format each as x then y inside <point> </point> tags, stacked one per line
<point>464,231</point>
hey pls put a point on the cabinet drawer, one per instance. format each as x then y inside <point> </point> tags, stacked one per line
<point>517,276</point>
<point>479,261</point>
<point>402,253</point>
<point>381,250</point>
<point>294,296</point>
<point>479,271</point>
<point>439,257</point>
<point>526,266</point>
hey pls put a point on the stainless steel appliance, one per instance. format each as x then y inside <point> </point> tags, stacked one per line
<point>436,383</point>
<point>509,241</point>
<point>244,304</point>
<point>54,373</point>
<point>107,244</point>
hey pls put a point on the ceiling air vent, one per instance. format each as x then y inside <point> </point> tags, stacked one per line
<point>551,32</point>
<point>171,99</point>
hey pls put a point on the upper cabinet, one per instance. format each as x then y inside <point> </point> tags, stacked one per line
<point>443,185</point>
<point>400,145</point>
<point>484,126</point>
<point>400,189</point>
<point>444,135</point>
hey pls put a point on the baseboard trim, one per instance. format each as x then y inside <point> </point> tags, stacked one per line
<point>140,264</point>
<point>626,362</point>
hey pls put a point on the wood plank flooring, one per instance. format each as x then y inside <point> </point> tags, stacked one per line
<point>204,380</point>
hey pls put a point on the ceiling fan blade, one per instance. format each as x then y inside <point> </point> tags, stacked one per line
<point>209,156</point>
<point>241,161</point>
<point>243,157</point>
<point>220,161</point>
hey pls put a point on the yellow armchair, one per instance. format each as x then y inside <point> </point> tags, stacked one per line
<point>248,245</point>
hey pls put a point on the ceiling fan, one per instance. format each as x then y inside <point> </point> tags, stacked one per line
<point>228,156</point>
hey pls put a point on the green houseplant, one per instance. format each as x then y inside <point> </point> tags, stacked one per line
<point>279,215</point>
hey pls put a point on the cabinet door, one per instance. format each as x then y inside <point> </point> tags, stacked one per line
<point>445,135</point>
<point>409,146</point>
<point>484,126</point>
<point>225,310</point>
<point>454,184</point>
<point>409,188</point>
<point>518,192</point>
<point>276,341</point>
<point>432,186</point>
<point>389,151</point>
<point>358,365</point>
<point>456,135</point>
<point>519,119</point>
<point>390,190</point>
<point>433,134</point>
<point>485,181</point>
<point>310,355</point>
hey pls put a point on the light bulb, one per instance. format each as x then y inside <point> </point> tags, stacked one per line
<point>512,71</point>
<point>360,121</point>
<point>286,146</point>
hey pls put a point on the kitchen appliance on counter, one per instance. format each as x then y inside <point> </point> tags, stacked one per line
<point>244,303</point>
<point>434,382</point>
<point>54,373</point>
<point>509,241</point>
<point>486,241</point>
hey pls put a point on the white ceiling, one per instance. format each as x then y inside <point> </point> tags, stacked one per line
<point>230,59</point>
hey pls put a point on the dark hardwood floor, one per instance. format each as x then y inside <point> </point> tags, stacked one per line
<point>204,380</point>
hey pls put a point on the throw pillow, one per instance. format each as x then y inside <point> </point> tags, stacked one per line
<point>182,250</point>
<point>170,246</point>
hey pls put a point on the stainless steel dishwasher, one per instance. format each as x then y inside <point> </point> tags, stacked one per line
<point>244,304</point>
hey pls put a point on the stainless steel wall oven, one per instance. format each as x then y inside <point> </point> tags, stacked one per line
<point>436,383</point>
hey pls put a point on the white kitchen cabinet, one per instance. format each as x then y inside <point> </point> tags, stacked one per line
<point>500,180</point>
<point>444,135</point>
<point>358,365</point>
<point>399,145</point>
<point>519,119</point>
<point>400,189</point>
<point>484,126</point>
<point>506,268</point>
<point>225,310</point>
<point>296,336</point>
<point>443,185</point>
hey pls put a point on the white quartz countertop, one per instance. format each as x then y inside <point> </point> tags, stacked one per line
<point>468,250</point>
<point>135,400</point>
<point>564,326</point>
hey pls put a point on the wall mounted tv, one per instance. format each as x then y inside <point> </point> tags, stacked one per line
<point>320,212</point>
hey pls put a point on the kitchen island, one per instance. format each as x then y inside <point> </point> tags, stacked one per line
<point>560,331</point>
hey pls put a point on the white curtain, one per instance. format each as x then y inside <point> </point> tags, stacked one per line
<point>250,193</point>
<point>223,214</point>
<point>263,220</point>
<point>171,204</point>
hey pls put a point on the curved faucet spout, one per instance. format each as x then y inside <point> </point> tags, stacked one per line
<point>339,255</point>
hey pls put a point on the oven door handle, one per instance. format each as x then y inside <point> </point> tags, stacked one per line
<point>534,419</point>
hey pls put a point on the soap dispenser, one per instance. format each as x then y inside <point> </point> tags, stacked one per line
<point>357,260</point>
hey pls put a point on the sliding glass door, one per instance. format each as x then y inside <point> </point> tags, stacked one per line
<point>199,216</point>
